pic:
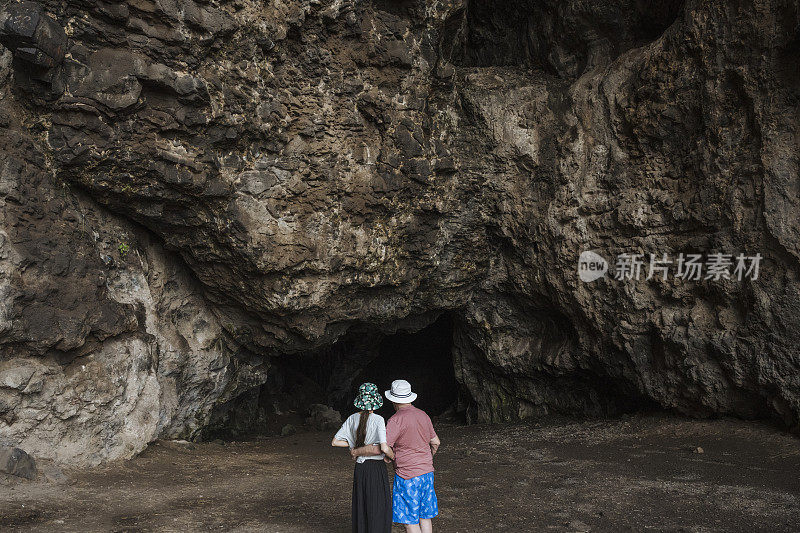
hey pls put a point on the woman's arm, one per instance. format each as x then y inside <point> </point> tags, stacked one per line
<point>339,443</point>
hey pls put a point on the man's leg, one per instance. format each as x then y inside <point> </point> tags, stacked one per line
<point>425,525</point>
<point>405,503</point>
<point>429,504</point>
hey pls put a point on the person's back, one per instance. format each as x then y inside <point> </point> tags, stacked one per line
<point>365,430</point>
<point>410,434</point>
<point>375,433</point>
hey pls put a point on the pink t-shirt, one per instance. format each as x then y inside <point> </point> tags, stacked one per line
<point>409,432</point>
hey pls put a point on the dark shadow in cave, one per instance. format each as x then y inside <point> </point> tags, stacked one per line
<point>424,359</point>
<point>560,38</point>
<point>331,376</point>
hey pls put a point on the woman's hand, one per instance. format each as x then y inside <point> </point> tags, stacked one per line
<point>387,450</point>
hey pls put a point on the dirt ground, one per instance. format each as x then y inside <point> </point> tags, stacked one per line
<point>630,474</point>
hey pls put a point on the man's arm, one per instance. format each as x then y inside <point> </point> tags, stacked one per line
<point>339,443</point>
<point>374,449</point>
<point>435,442</point>
<point>369,449</point>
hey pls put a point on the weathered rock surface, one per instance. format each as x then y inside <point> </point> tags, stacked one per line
<point>323,417</point>
<point>17,463</point>
<point>195,191</point>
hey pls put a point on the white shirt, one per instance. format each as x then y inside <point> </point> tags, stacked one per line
<point>376,433</point>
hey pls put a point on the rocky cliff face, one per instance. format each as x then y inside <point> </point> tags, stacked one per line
<point>194,191</point>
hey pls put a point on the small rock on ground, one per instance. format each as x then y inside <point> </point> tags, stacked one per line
<point>17,462</point>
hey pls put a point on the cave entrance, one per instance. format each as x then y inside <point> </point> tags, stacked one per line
<point>419,351</point>
<point>424,359</point>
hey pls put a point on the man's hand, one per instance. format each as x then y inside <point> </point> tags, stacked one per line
<point>435,442</point>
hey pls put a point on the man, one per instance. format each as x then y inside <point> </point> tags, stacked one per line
<point>411,435</point>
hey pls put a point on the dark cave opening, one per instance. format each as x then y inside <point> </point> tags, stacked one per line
<point>424,359</point>
<point>331,376</point>
<point>423,356</point>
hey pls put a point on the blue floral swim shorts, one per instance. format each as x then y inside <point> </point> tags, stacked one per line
<point>413,499</point>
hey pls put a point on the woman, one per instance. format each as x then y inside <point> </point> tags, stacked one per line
<point>372,511</point>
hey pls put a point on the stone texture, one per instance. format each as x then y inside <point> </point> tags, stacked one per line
<point>193,191</point>
<point>323,417</point>
<point>17,463</point>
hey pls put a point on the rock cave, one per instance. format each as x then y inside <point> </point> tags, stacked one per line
<point>204,203</point>
<point>572,225</point>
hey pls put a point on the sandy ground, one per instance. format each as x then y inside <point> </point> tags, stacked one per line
<point>630,474</point>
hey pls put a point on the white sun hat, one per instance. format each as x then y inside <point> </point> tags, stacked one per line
<point>401,392</point>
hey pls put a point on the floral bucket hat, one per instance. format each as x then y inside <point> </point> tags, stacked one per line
<point>368,397</point>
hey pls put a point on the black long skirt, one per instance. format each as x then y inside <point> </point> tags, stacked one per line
<point>372,508</point>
